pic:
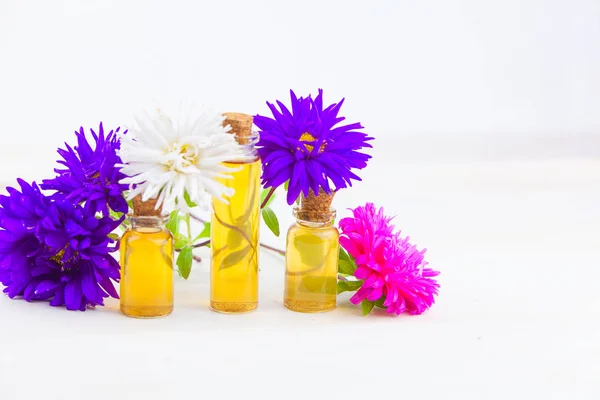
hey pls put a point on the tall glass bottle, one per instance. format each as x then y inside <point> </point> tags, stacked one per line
<point>311,259</point>
<point>146,264</point>
<point>235,228</point>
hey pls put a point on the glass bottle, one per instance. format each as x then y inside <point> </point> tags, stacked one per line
<point>146,264</point>
<point>311,262</point>
<point>235,227</point>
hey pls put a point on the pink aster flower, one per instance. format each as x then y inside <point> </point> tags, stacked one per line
<point>393,272</point>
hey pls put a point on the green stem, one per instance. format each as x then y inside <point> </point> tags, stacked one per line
<point>281,252</point>
<point>189,227</point>
<point>201,244</point>
<point>207,242</point>
<point>266,200</point>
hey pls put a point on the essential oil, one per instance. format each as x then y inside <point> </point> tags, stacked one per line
<point>146,268</point>
<point>311,268</point>
<point>235,230</point>
<point>311,260</point>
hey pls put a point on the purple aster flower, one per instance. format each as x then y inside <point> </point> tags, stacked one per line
<point>91,175</point>
<point>306,147</point>
<point>55,249</point>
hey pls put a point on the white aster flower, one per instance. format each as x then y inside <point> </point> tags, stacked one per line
<point>165,158</point>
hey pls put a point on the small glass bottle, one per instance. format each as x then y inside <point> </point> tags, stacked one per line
<point>235,227</point>
<point>146,264</point>
<point>311,259</point>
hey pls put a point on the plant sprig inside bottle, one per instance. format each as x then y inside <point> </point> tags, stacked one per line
<point>241,234</point>
<point>314,211</point>
<point>241,231</point>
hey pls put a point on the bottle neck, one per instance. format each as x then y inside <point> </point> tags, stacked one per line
<point>315,220</point>
<point>247,143</point>
<point>314,225</point>
<point>145,223</point>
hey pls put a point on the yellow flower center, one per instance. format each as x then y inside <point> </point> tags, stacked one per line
<point>307,137</point>
<point>181,157</point>
<point>58,258</point>
<point>188,157</point>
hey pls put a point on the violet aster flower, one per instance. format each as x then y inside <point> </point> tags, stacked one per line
<point>91,175</point>
<point>391,269</point>
<point>306,147</point>
<point>54,249</point>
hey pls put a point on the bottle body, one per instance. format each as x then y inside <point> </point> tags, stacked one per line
<point>146,288</point>
<point>235,241</point>
<point>311,267</point>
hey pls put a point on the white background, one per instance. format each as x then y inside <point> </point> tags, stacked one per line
<point>487,120</point>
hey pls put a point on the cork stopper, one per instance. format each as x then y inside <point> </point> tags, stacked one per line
<point>241,125</point>
<point>315,208</point>
<point>145,208</point>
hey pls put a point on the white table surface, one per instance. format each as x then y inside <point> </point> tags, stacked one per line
<point>517,240</point>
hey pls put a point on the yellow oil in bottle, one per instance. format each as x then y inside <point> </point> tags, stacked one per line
<point>311,267</point>
<point>234,242</point>
<point>146,272</point>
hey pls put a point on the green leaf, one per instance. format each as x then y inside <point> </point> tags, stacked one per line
<point>114,214</point>
<point>180,242</point>
<point>367,306</point>
<point>263,196</point>
<point>286,185</point>
<point>346,264</point>
<point>379,303</point>
<point>271,220</point>
<point>173,224</point>
<point>344,267</point>
<point>233,258</point>
<point>205,232</point>
<point>189,201</point>
<point>184,262</point>
<point>347,257</point>
<point>348,286</point>
<point>113,236</point>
